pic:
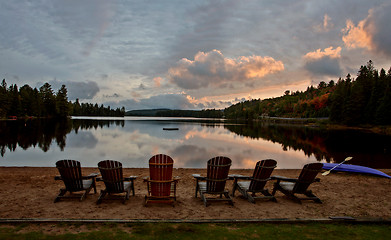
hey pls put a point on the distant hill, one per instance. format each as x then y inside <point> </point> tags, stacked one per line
<point>145,112</point>
<point>209,113</point>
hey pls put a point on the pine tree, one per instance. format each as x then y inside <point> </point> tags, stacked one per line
<point>62,105</point>
<point>48,100</point>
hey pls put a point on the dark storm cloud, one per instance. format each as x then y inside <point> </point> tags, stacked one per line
<point>172,101</point>
<point>324,62</point>
<point>77,90</point>
<point>326,66</point>
<point>380,20</point>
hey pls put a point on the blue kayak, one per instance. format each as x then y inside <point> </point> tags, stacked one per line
<point>354,168</point>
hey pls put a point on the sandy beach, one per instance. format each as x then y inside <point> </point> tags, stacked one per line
<point>28,192</point>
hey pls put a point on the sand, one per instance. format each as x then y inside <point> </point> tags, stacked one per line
<point>28,192</point>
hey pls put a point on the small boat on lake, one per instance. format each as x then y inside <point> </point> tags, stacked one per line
<point>354,169</point>
<point>170,129</point>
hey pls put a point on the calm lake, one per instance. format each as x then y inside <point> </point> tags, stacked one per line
<point>132,141</point>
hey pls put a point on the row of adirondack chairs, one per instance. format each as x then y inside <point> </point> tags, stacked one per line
<point>161,185</point>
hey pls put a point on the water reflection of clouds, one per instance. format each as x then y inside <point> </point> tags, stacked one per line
<point>244,152</point>
<point>191,146</point>
<point>82,139</point>
<point>192,156</point>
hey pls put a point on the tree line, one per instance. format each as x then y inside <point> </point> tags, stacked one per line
<point>44,102</point>
<point>206,113</point>
<point>363,100</point>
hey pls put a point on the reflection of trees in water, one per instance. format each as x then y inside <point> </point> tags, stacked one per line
<point>309,140</point>
<point>367,149</point>
<point>42,132</point>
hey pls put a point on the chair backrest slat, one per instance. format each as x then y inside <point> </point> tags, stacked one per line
<point>112,175</point>
<point>261,175</point>
<point>160,172</point>
<point>307,176</point>
<point>217,174</point>
<point>70,171</point>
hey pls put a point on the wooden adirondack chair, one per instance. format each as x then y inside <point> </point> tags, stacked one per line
<point>214,183</point>
<point>256,183</point>
<point>70,174</point>
<point>114,181</point>
<point>160,183</point>
<point>293,186</point>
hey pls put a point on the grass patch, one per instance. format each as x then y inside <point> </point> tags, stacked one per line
<point>198,231</point>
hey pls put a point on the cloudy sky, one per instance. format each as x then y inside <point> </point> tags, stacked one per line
<point>188,54</point>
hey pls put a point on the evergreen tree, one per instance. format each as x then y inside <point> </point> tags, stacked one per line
<point>76,108</point>
<point>4,100</point>
<point>383,112</point>
<point>62,105</point>
<point>48,100</point>
<point>15,103</point>
<point>27,100</point>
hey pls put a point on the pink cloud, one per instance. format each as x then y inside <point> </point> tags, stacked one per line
<point>214,69</point>
<point>357,36</point>
<point>372,33</point>
<point>327,52</point>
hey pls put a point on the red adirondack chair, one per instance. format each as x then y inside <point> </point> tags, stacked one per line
<point>160,183</point>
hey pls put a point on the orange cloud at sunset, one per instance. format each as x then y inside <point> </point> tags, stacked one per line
<point>328,52</point>
<point>357,36</point>
<point>157,81</point>
<point>372,33</point>
<point>212,68</point>
<point>325,26</point>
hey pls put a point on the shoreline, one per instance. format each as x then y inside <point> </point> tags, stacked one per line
<point>28,192</point>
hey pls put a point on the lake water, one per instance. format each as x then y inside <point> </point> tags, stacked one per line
<point>132,141</point>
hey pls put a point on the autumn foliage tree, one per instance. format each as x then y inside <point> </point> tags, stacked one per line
<point>364,100</point>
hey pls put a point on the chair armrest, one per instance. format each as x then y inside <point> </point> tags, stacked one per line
<point>198,177</point>
<point>57,178</point>
<point>282,178</point>
<point>130,178</point>
<point>238,176</point>
<point>99,179</point>
<point>92,175</point>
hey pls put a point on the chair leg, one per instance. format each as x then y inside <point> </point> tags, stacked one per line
<point>83,196</point>
<point>133,188</point>
<point>249,197</point>
<point>101,196</point>
<point>126,196</point>
<point>234,188</point>
<point>230,201</point>
<point>204,199</point>
<point>287,193</point>
<point>311,196</point>
<point>197,188</point>
<point>275,187</point>
<point>94,185</point>
<point>266,193</point>
<point>62,193</point>
<point>87,191</point>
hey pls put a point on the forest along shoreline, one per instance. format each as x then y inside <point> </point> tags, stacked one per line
<point>325,123</point>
